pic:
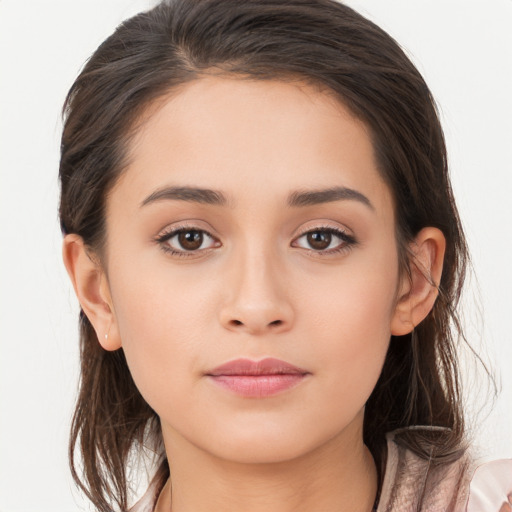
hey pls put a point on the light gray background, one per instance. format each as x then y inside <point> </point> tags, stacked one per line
<point>463,48</point>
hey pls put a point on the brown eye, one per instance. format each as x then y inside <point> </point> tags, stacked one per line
<point>190,240</point>
<point>319,240</point>
<point>325,240</point>
<point>183,240</point>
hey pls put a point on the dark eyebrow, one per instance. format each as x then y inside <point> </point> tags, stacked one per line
<point>192,194</point>
<point>296,199</point>
<point>312,197</point>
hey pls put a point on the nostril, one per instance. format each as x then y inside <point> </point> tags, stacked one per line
<point>236,322</point>
<point>276,322</point>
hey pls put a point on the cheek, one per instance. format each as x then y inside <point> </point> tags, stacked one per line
<point>164,323</point>
<point>351,318</point>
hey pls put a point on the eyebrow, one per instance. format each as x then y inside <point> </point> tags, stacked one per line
<point>295,199</point>
<point>191,194</point>
<point>312,197</point>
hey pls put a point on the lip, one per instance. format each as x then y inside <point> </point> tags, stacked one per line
<point>257,379</point>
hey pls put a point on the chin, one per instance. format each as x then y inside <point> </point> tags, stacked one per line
<point>268,444</point>
<point>263,452</point>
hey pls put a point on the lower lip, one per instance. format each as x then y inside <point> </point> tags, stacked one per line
<point>258,386</point>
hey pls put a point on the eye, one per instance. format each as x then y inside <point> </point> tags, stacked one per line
<point>327,240</point>
<point>181,241</point>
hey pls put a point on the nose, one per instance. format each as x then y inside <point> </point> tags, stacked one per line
<point>256,297</point>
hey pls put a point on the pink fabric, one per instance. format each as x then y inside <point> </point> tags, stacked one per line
<point>490,486</point>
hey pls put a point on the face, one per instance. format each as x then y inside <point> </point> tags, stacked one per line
<point>252,224</point>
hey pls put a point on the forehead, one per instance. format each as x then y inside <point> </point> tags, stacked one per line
<point>239,134</point>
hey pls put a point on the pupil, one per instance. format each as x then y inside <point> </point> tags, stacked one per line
<point>319,239</point>
<point>190,240</point>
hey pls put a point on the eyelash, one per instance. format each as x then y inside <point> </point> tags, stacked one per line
<point>347,241</point>
<point>173,232</point>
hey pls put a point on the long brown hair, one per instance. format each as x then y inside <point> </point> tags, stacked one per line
<point>319,41</point>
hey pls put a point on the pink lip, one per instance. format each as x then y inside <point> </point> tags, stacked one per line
<point>257,379</point>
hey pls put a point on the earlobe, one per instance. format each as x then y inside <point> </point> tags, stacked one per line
<point>419,291</point>
<point>92,289</point>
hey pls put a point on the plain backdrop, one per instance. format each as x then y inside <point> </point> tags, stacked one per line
<point>464,50</point>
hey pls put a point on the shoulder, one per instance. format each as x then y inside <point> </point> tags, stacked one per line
<point>490,485</point>
<point>463,485</point>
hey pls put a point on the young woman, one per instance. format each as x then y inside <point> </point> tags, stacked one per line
<point>260,229</point>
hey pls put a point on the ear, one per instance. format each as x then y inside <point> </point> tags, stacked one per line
<point>418,292</point>
<point>92,289</point>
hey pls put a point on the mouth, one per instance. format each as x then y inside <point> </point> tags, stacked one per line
<point>257,379</point>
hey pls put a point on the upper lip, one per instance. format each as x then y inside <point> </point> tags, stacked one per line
<point>268,366</point>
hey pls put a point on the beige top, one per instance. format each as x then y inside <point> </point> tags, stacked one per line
<point>412,484</point>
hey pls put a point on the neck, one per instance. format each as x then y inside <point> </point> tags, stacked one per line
<point>337,476</point>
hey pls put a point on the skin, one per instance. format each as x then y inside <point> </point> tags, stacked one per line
<point>257,288</point>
